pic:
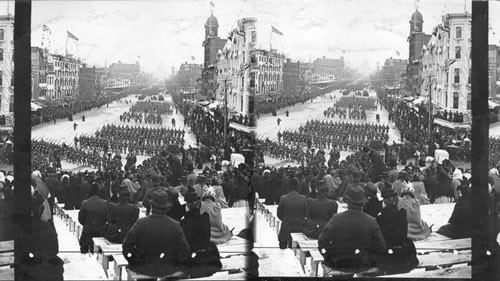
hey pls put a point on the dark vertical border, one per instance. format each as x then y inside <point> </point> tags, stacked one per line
<point>480,132</point>
<point>22,125</point>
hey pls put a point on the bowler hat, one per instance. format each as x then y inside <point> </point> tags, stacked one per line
<point>160,199</point>
<point>156,178</point>
<point>192,197</point>
<point>355,194</point>
<point>384,174</point>
<point>370,188</point>
<point>322,186</point>
<point>388,193</point>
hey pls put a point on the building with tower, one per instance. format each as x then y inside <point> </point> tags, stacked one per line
<point>417,40</point>
<point>446,69</point>
<point>234,66</point>
<point>212,45</point>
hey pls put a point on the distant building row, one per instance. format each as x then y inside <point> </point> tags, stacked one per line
<point>58,77</point>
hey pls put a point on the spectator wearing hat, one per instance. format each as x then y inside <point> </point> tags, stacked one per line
<point>378,165</point>
<point>133,186</point>
<point>456,181</point>
<point>351,240</point>
<point>156,245</point>
<point>374,205</point>
<point>333,182</point>
<point>205,257</point>
<point>201,182</point>
<point>400,183</point>
<point>318,211</point>
<point>291,211</point>
<point>417,228</point>
<point>191,176</point>
<point>183,185</point>
<point>241,192</point>
<point>42,244</point>
<point>227,187</point>
<point>220,233</point>
<point>177,211</point>
<point>121,217</point>
<point>53,186</point>
<point>460,223</point>
<point>442,191</point>
<point>146,202</point>
<point>401,255</point>
<point>92,216</point>
<point>419,187</point>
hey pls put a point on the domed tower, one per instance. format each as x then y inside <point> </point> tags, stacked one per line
<point>211,27</point>
<point>416,22</point>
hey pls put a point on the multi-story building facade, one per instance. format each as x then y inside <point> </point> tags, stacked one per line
<point>38,73</point>
<point>62,77</point>
<point>87,83</point>
<point>125,71</point>
<point>446,68</point>
<point>417,40</point>
<point>234,68</point>
<point>212,45</point>
<point>493,67</point>
<point>324,69</point>
<point>291,77</point>
<point>186,77</point>
<point>266,73</point>
<point>6,66</point>
<point>392,71</point>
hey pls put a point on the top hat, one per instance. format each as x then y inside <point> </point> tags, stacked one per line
<point>388,193</point>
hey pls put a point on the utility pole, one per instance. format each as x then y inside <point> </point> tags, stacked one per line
<point>430,108</point>
<point>225,111</point>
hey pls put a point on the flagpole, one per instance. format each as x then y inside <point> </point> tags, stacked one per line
<point>271,40</point>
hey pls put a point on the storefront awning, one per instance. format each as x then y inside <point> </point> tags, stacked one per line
<point>451,125</point>
<point>492,104</point>
<point>35,107</point>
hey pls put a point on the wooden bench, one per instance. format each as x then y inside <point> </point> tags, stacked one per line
<point>7,246</point>
<point>105,250</point>
<point>304,249</point>
<point>434,260</point>
<point>119,264</point>
<point>453,272</point>
<point>296,237</point>
<point>441,246</point>
<point>7,260</point>
<point>316,260</point>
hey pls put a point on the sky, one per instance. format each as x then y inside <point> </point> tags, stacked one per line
<point>494,19</point>
<point>164,34</point>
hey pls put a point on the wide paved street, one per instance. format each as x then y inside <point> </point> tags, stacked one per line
<point>63,132</point>
<point>299,114</point>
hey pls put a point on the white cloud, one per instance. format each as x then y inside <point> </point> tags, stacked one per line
<point>170,32</point>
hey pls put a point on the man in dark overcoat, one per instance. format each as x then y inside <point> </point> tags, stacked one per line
<point>156,245</point>
<point>291,211</point>
<point>92,216</point>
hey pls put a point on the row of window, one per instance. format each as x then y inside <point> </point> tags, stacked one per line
<point>62,64</point>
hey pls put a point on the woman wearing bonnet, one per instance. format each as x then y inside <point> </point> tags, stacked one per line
<point>220,233</point>
<point>417,228</point>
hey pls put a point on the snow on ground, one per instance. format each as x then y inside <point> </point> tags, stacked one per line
<point>299,114</point>
<point>63,132</point>
<point>495,130</point>
<point>77,266</point>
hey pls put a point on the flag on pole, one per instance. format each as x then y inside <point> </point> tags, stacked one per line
<point>192,58</point>
<point>275,30</point>
<point>72,36</point>
<point>212,5</point>
<point>397,53</point>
